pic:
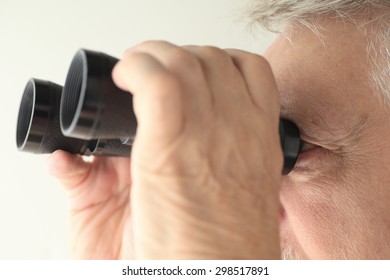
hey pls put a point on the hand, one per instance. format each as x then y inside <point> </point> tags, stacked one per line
<point>206,161</point>
<point>99,196</point>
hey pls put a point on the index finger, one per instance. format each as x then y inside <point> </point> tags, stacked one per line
<point>260,81</point>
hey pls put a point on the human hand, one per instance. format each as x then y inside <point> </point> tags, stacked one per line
<point>206,161</point>
<point>99,196</point>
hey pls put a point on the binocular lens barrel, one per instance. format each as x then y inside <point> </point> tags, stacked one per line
<point>92,106</point>
<point>38,127</point>
<point>90,115</point>
<point>26,110</point>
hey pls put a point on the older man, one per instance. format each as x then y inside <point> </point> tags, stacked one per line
<point>204,180</point>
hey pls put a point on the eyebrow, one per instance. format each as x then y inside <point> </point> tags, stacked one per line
<point>317,128</point>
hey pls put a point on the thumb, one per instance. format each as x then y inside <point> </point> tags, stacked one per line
<point>70,170</point>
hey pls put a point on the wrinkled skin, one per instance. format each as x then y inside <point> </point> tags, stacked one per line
<point>337,199</point>
<point>204,177</point>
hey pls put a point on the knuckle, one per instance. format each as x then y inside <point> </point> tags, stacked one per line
<point>145,45</point>
<point>181,60</point>
<point>257,61</point>
<point>148,43</point>
<point>214,53</point>
<point>127,52</point>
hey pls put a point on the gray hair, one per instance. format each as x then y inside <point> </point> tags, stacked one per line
<point>273,15</point>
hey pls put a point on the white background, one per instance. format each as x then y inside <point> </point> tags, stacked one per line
<point>38,39</point>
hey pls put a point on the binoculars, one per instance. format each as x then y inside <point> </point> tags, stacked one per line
<point>91,116</point>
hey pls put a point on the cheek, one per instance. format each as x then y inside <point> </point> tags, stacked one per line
<point>334,216</point>
<point>315,216</point>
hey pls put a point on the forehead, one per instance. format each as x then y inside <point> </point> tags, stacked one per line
<point>324,74</point>
<point>329,58</point>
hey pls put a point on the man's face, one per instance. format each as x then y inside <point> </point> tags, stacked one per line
<point>336,201</point>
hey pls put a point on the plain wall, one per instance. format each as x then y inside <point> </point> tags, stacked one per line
<point>38,39</point>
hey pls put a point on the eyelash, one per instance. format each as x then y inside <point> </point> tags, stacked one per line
<point>305,146</point>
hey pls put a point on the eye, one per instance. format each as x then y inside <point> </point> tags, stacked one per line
<point>305,146</point>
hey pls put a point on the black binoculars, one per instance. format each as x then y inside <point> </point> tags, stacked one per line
<point>91,116</point>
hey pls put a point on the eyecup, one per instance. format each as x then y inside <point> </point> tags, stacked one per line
<point>291,144</point>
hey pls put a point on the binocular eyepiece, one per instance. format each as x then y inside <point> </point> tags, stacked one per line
<point>91,116</point>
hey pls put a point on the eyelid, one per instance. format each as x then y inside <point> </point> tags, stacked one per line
<point>316,142</point>
<point>306,146</point>
<point>311,140</point>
